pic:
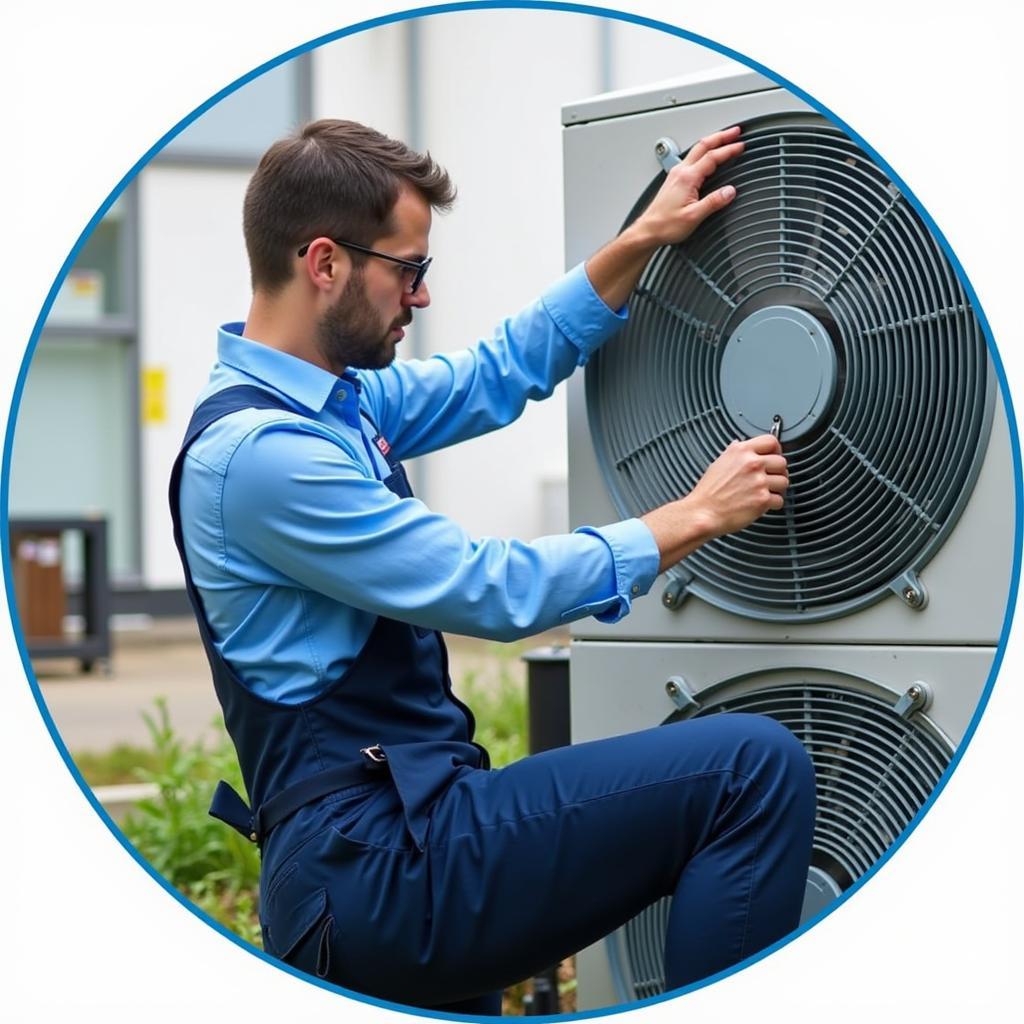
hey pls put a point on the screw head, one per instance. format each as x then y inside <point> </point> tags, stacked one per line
<point>912,596</point>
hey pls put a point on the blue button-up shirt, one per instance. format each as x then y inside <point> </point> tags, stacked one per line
<point>296,545</point>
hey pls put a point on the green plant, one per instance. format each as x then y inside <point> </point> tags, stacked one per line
<point>499,706</point>
<point>211,864</point>
<point>115,767</point>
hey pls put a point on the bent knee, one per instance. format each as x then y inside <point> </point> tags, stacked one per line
<point>777,751</point>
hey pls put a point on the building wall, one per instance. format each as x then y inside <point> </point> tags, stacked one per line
<point>366,78</point>
<point>639,56</point>
<point>493,85</point>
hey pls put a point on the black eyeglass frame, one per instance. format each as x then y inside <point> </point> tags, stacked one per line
<point>420,266</point>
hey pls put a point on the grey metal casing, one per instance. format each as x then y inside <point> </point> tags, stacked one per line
<point>620,687</point>
<point>609,161</point>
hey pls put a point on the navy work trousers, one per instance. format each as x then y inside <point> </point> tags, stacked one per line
<point>530,863</point>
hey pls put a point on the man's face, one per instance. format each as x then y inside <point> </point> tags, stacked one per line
<point>364,325</point>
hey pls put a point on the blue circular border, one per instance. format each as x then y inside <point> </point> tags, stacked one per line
<point>423,13</point>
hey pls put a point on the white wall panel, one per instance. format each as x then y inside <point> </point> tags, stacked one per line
<point>191,230</point>
<point>641,55</point>
<point>364,78</point>
<point>492,86</point>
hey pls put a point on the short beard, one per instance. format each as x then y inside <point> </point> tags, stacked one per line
<point>351,334</point>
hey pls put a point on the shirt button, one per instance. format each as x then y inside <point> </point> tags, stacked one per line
<point>636,589</point>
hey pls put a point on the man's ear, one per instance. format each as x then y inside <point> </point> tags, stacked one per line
<point>326,265</point>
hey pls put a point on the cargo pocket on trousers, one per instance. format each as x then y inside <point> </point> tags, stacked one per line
<point>299,932</point>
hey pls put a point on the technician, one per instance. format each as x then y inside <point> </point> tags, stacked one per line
<point>394,862</point>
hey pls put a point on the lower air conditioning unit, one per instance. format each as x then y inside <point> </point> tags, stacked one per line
<point>881,725</point>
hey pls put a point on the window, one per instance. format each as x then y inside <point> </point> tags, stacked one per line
<point>241,126</point>
<point>75,449</point>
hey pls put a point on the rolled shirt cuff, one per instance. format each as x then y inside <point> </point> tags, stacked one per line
<point>581,314</point>
<point>636,559</point>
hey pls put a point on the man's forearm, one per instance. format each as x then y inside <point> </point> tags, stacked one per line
<point>678,530</point>
<point>615,269</point>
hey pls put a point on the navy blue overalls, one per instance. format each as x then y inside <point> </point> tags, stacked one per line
<point>394,863</point>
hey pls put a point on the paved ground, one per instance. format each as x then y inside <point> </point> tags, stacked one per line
<point>95,712</point>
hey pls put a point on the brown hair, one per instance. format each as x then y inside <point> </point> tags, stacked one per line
<point>334,178</point>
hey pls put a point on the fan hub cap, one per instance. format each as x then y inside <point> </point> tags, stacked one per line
<point>778,362</point>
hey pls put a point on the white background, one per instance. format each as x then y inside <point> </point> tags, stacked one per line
<point>85,933</point>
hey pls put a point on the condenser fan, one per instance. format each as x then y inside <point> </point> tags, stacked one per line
<point>820,297</point>
<point>876,761</point>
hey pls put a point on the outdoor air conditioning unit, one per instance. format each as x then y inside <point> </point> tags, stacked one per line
<point>866,614</point>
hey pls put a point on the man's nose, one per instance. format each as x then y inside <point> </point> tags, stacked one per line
<point>417,299</point>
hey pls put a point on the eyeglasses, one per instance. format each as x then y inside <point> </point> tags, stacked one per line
<point>415,270</point>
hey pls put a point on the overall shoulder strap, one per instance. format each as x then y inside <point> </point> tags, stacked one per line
<point>379,442</point>
<point>217,406</point>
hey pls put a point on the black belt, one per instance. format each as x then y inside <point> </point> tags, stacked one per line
<point>229,807</point>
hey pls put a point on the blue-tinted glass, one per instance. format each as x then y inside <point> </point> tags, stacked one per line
<point>245,123</point>
<point>72,453</point>
<point>93,287</point>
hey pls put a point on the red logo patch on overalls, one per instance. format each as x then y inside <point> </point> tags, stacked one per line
<point>382,444</point>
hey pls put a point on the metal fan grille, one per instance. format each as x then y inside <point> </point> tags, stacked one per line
<point>890,440</point>
<point>874,771</point>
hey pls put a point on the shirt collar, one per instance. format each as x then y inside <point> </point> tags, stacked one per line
<point>309,385</point>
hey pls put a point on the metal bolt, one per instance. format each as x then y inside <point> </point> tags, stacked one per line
<point>916,698</point>
<point>912,596</point>
<point>674,594</point>
<point>672,688</point>
<point>661,149</point>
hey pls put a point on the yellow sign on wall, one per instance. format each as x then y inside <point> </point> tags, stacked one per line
<point>154,395</point>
